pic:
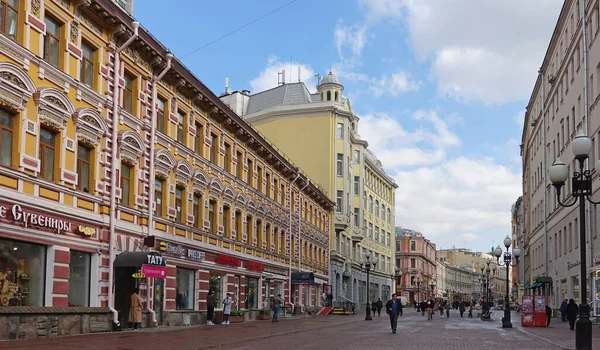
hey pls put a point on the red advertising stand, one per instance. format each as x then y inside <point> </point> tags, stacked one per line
<point>539,311</point>
<point>527,311</point>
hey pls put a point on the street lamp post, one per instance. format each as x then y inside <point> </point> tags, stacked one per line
<point>397,276</point>
<point>418,292</point>
<point>516,252</point>
<point>432,285</point>
<point>581,190</point>
<point>367,265</point>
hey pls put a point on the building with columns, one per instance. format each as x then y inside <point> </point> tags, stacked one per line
<point>120,169</point>
<point>319,132</point>
<point>416,258</point>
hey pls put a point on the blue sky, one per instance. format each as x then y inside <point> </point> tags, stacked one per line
<point>440,87</point>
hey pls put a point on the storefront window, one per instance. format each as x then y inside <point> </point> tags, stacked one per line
<point>215,285</point>
<point>251,293</point>
<point>79,279</point>
<point>184,299</point>
<point>22,273</point>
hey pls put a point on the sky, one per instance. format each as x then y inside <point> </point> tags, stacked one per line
<point>440,87</point>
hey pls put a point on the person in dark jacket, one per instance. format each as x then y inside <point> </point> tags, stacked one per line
<point>563,310</point>
<point>572,311</point>
<point>393,308</point>
<point>210,307</point>
<point>548,315</point>
<point>379,305</point>
<point>461,309</point>
<point>423,308</point>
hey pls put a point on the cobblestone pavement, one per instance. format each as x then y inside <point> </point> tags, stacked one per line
<point>329,332</point>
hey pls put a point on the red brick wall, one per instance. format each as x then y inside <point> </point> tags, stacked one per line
<point>60,282</point>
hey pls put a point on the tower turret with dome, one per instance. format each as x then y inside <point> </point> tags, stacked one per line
<point>330,88</point>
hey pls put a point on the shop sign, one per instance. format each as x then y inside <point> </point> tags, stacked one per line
<point>138,275</point>
<point>251,265</point>
<point>28,219</point>
<point>275,271</point>
<point>175,249</point>
<point>573,264</point>
<point>156,260</point>
<point>153,271</point>
<point>195,254</point>
<point>228,260</point>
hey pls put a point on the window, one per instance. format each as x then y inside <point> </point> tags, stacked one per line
<point>199,139</point>
<point>337,96</point>
<point>413,246</point>
<point>198,223</point>
<point>23,266</point>
<point>125,184</point>
<point>211,216</point>
<point>87,64</point>
<point>382,212</point>
<point>249,229</point>
<point>389,216</point>
<point>180,125</point>
<point>51,41</point>
<point>79,278</point>
<point>370,230</point>
<point>216,284</point>
<point>184,299</point>
<point>10,16</point>
<point>356,156</point>
<point>371,204</point>
<point>179,204</point>
<point>238,226</point>
<point>227,161</point>
<point>356,216</point>
<point>377,233</point>
<point>259,234</point>
<point>214,148</point>
<point>226,218</point>
<point>339,131</point>
<point>340,164</point>
<point>268,234</point>
<point>260,179</point>
<point>250,176</point>
<point>339,201</point>
<point>356,185</point>
<point>84,155</point>
<point>158,197</point>
<point>47,149</point>
<point>251,301</point>
<point>6,137</point>
<point>277,194</point>
<point>128,93</point>
<point>413,263</point>
<point>160,115</point>
<point>388,239</point>
<point>240,165</point>
<point>328,95</point>
<point>376,208</point>
<point>268,185</point>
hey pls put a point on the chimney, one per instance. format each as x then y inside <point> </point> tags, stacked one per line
<point>246,92</point>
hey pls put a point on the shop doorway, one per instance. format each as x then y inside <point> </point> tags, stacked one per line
<point>158,299</point>
<point>125,284</point>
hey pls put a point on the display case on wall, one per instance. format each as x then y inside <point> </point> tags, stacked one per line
<point>22,271</point>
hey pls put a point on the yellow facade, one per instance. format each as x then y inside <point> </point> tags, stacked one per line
<point>223,188</point>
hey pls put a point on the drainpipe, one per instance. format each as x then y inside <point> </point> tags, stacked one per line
<point>113,171</point>
<point>300,229</point>
<point>544,166</point>
<point>151,171</point>
<point>290,237</point>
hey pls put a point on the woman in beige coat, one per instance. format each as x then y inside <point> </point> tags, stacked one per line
<point>135,310</point>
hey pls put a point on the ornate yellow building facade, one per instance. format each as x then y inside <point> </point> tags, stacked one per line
<point>117,163</point>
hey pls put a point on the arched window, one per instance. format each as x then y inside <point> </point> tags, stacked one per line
<point>389,216</point>
<point>376,208</point>
<point>370,204</point>
<point>412,280</point>
<point>337,96</point>
<point>328,95</point>
<point>383,212</point>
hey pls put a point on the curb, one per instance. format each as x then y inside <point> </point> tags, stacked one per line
<point>539,337</point>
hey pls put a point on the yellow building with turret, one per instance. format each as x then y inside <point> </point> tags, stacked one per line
<point>319,132</point>
<point>119,169</point>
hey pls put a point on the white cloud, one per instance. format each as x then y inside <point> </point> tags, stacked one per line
<point>486,51</point>
<point>394,84</point>
<point>519,118</point>
<point>353,37</point>
<point>451,200</point>
<point>268,78</point>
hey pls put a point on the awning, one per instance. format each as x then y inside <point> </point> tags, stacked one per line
<point>303,277</point>
<point>137,259</point>
<point>535,285</point>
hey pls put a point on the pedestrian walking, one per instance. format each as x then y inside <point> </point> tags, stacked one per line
<point>423,307</point>
<point>563,310</point>
<point>379,306</point>
<point>374,308</point>
<point>470,312</point>
<point>572,311</point>
<point>393,307</point>
<point>430,310</point>
<point>277,302</point>
<point>548,315</point>
<point>324,299</point>
<point>135,310</point>
<point>461,309</point>
<point>448,310</point>
<point>441,309</point>
<point>210,307</point>
<point>227,308</point>
<point>330,299</point>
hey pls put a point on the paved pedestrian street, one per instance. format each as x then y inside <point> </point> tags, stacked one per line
<point>329,332</point>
